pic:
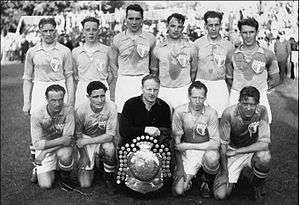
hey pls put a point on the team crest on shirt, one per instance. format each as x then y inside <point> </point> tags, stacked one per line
<point>142,50</point>
<point>201,129</point>
<point>55,62</point>
<point>258,66</point>
<point>219,59</point>
<point>183,59</point>
<point>100,65</point>
<point>101,123</point>
<point>253,128</point>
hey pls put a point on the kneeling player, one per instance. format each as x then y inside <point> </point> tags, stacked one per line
<point>245,136</point>
<point>52,127</point>
<point>96,123</point>
<point>198,124</point>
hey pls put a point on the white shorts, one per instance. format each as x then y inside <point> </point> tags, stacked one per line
<point>236,164</point>
<point>174,96</point>
<point>91,150</point>
<point>192,161</point>
<point>234,98</point>
<point>81,93</point>
<point>38,97</point>
<point>126,88</point>
<point>217,95</point>
<point>48,164</point>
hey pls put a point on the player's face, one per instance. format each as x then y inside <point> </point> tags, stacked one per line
<point>55,101</point>
<point>134,21</point>
<point>248,106</point>
<point>150,90</point>
<point>90,31</point>
<point>197,98</point>
<point>48,33</point>
<point>213,27</point>
<point>97,99</point>
<point>175,28</point>
<point>248,34</point>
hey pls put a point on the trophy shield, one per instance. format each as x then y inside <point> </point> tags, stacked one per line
<point>144,164</point>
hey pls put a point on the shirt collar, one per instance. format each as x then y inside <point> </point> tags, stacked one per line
<point>82,49</point>
<point>127,35</point>
<point>40,47</point>
<point>158,101</point>
<point>189,109</point>
<point>259,50</point>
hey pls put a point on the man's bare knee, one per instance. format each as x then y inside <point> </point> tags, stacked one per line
<point>108,147</point>
<point>212,158</point>
<point>65,153</point>
<point>263,156</point>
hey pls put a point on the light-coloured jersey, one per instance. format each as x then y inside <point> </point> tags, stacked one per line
<point>211,58</point>
<point>48,66</point>
<point>45,127</point>
<point>195,129</point>
<point>175,62</point>
<point>91,67</point>
<point>133,52</point>
<point>250,69</point>
<point>95,124</point>
<point>239,132</point>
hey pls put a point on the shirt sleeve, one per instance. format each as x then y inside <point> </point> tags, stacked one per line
<point>213,127</point>
<point>79,119</point>
<point>264,128</point>
<point>69,122</point>
<point>68,64</point>
<point>272,64</point>
<point>36,132</point>
<point>177,124</point>
<point>225,128</point>
<point>74,65</point>
<point>28,66</point>
<point>111,125</point>
<point>229,65</point>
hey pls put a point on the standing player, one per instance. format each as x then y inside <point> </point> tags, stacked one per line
<point>130,56</point>
<point>251,65</point>
<point>52,128</point>
<point>245,139</point>
<point>96,123</point>
<point>47,63</point>
<point>195,129</point>
<point>175,62</point>
<point>212,50</point>
<point>90,61</point>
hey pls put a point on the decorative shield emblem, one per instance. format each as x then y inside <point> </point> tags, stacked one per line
<point>183,59</point>
<point>201,129</point>
<point>102,124</point>
<point>142,50</point>
<point>55,63</point>
<point>253,128</point>
<point>219,59</point>
<point>258,66</point>
<point>143,164</point>
<point>100,66</point>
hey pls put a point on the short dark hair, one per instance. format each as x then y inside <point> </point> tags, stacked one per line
<point>95,85</point>
<point>213,14</point>
<point>250,21</point>
<point>135,7</point>
<point>249,91</point>
<point>44,21</point>
<point>198,85</point>
<point>150,77</point>
<point>90,19</point>
<point>56,88</point>
<point>179,17</point>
